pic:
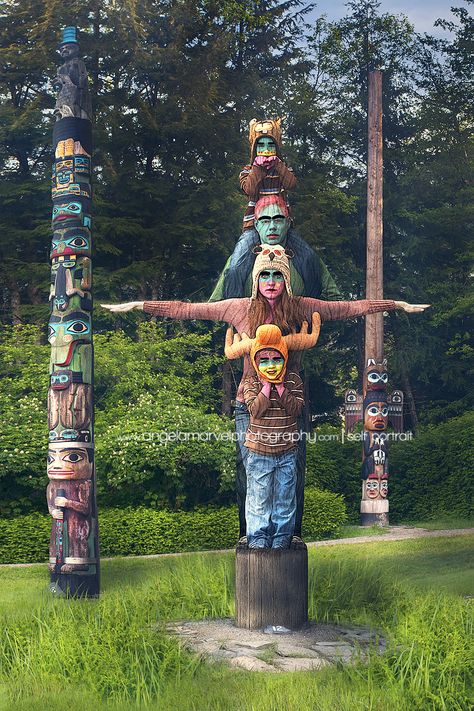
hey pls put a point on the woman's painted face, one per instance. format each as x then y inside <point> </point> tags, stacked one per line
<point>271,284</point>
<point>266,146</point>
<point>271,225</point>
<point>270,364</point>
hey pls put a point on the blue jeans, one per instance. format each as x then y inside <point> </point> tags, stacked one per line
<point>270,506</point>
<point>242,421</point>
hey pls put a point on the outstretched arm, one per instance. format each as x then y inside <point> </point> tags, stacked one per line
<point>338,310</point>
<point>227,310</point>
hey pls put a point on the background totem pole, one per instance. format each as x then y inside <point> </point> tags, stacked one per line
<point>374,407</point>
<point>74,554</point>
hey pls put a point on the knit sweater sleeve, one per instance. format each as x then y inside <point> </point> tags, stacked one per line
<point>256,401</point>
<point>292,397</point>
<point>251,178</point>
<point>339,310</point>
<point>287,177</point>
<point>228,310</point>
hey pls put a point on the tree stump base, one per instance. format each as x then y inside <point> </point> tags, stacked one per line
<point>271,587</point>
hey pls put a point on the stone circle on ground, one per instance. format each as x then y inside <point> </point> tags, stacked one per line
<point>318,645</point>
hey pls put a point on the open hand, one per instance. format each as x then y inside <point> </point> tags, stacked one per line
<point>411,308</point>
<point>121,308</point>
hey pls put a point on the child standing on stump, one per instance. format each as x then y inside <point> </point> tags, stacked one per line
<point>274,399</point>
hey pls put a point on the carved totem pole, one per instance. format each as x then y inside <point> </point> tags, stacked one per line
<point>375,407</point>
<point>73,553</point>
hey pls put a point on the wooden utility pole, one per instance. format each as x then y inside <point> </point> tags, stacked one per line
<point>374,273</point>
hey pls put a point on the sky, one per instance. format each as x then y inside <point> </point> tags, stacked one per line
<point>421,13</point>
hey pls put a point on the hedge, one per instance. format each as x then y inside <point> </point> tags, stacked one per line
<point>144,531</point>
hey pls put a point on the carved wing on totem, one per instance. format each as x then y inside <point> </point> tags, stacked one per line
<point>395,410</point>
<point>352,409</point>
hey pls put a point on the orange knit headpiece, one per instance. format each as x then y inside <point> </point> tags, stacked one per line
<point>269,337</point>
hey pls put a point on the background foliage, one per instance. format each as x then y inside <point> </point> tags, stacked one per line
<point>174,84</point>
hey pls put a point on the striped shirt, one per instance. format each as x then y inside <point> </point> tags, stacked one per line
<point>273,427</point>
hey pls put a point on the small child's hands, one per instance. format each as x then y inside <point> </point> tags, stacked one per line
<point>266,161</point>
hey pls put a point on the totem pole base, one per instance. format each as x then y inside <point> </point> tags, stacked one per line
<point>374,513</point>
<point>73,585</point>
<point>271,587</point>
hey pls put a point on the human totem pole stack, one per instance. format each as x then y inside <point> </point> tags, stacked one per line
<point>73,553</point>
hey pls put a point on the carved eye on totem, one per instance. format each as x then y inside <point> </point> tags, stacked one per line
<point>51,331</point>
<point>375,377</point>
<point>78,327</point>
<point>78,242</point>
<point>50,459</point>
<point>73,457</point>
<point>73,207</point>
<point>351,398</point>
<point>373,411</point>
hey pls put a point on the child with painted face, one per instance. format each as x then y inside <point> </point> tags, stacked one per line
<point>266,174</point>
<point>274,399</point>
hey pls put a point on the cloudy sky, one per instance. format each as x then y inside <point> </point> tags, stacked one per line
<point>421,13</point>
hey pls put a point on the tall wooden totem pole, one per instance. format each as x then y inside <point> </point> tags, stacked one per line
<point>73,553</point>
<point>375,408</point>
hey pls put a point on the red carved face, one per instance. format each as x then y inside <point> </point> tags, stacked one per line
<point>372,488</point>
<point>376,416</point>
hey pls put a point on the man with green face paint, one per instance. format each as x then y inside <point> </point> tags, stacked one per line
<point>309,274</point>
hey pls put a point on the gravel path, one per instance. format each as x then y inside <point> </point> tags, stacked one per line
<point>396,533</point>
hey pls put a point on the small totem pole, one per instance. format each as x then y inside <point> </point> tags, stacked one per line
<point>73,553</point>
<point>374,407</point>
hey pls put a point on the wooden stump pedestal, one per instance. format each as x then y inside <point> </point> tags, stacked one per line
<point>271,587</point>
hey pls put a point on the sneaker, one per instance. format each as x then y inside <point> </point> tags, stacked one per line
<point>297,542</point>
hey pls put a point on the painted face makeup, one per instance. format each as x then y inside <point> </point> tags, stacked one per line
<point>271,284</point>
<point>270,364</point>
<point>266,146</point>
<point>272,226</point>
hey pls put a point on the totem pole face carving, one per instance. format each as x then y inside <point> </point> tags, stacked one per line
<point>70,461</point>
<point>384,487</point>
<point>70,213</point>
<point>376,416</point>
<point>270,364</point>
<point>375,411</point>
<point>72,241</point>
<point>271,225</point>
<point>65,333</point>
<point>266,146</point>
<point>372,487</point>
<point>375,375</point>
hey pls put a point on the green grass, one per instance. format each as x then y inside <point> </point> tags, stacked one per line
<point>114,654</point>
<point>440,524</point>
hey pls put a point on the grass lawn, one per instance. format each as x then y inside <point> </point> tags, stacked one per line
<point>108,654</point>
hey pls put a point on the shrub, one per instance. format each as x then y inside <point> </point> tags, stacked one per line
<point>143,531</point>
